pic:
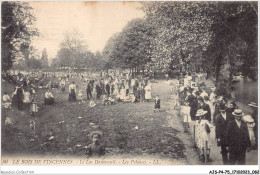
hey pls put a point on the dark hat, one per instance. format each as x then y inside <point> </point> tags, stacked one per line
<point>222,107</point>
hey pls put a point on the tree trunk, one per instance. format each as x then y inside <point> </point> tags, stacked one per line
<point>218,67</point>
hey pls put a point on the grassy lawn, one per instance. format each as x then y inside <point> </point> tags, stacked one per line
<point>132,129</point>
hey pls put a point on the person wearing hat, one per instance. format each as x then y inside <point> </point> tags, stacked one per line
<point>222,120</point>
<point>237,139</point>
<point>250,124</point>
<point>203,133</point>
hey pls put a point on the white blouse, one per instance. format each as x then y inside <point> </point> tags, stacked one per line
<point>72,86</point>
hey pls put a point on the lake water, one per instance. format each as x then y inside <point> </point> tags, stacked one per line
<point>246,91</point>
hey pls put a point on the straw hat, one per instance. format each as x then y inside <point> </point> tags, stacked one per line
<point>201,112</point>
<point>248,118</point>
<point>238,112</point>
<point>252,104</point>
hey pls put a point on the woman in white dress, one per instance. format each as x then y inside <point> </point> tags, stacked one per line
<point>148,92</point>
<point>27,100</point>
<point>203,134</point>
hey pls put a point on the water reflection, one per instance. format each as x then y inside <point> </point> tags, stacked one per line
<point>246,90</point>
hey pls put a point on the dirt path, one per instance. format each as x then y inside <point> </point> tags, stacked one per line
<point>175,121</point>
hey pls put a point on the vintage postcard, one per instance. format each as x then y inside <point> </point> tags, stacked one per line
<point>119,83</point>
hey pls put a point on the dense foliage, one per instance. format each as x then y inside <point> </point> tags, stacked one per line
<point>219,38</point>
<point>74,53</point>
<point>17,32</point>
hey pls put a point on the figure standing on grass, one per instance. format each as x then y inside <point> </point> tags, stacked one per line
<point>80,97</point>
<point>27,100</point>
<point>157,103</point>
<point>62,85</point>
<point>148,92</point>
<point>72,92</point>
<point>238,140</point>
<point>19,97</point>
<point>34,106</point>
<point>95,149</point>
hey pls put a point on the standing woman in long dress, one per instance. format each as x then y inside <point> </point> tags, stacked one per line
<point>72,92</point>
<point>148,92</point>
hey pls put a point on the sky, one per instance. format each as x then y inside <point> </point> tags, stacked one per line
<point>97,21</point>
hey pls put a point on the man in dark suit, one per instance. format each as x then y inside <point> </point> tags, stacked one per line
<point>205,107</point>
<point>193,105</point>
<point>237,139</point>
<point>19,96</point>
<point>222,120</point>
<point>98,90</point>
<point>89,90</point>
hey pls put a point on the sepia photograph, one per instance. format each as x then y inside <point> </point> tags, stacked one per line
<point>129,83</point>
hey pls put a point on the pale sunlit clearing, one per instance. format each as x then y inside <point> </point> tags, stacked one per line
<point>97,21</point>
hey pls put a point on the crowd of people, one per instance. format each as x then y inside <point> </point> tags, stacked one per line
<point>198,104</point>
<point>202,108</point>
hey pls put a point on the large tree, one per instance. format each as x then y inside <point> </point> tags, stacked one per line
<point>132,47</point>
<point>17,31</point>
<point>44,58</point>
<point>72,50</point>
<point>182,32</point>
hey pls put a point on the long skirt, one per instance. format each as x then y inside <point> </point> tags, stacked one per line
<point>72,95</point>
<point>34,107</point>
<point>49,101</point>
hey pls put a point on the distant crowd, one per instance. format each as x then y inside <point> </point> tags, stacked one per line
<point>197,103</point>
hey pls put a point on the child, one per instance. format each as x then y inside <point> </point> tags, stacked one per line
<point>105,100</point>
<point>132,98</point>
<point>92,103</point>
<point>34,106</point>
<point>203,134</point>
<point>6,100</point>
<point>80,97</point>
<point>172,87</point>
<point>96,149</point>
<point>176,103</point>
<point>111,100</point>
<point>185,111</point>
<point>157,104</point>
